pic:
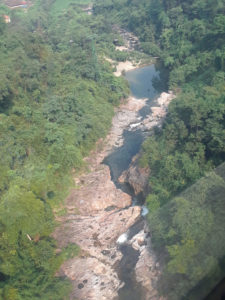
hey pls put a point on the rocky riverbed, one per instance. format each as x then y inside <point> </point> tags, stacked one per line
<point>98,213</point>
<point>100,216</point>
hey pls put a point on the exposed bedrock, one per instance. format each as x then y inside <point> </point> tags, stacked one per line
<point>98,213</point>
<point>147,270</point>
<point>136,177</point>
<point>97,193</point>
<point>96,235</point>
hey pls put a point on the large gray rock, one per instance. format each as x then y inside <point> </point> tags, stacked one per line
<point>147,269</point>
<point>136,177</point>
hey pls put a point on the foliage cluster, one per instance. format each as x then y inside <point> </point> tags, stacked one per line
<point>56,100</point>
<point>188,234</point>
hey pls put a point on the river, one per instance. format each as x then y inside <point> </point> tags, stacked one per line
<point>101,211</point>
<point>144,82</point>
<point>141,82</point>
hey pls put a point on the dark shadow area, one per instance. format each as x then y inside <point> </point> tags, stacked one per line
<point>141,82</point>
<point>218,293</point>
<point>131,290</point>
<point>188,236</point>
<point>160,83</point>
<point>121,157</point>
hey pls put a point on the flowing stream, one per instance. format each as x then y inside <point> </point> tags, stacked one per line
<point>145,82</point>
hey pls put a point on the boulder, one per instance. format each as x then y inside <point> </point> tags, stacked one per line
<point>147,270</point>
<point>136,176</point>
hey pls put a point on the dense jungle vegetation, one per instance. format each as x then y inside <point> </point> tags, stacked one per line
<point>56,100</point>
<point>189,38</point>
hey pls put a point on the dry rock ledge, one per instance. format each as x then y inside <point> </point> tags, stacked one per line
<point>131,42</point>
<point>98,213</point>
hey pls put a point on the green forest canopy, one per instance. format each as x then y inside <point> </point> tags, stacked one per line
<point>56,101</point>
<point>188,236</point>
<point>54,106</point>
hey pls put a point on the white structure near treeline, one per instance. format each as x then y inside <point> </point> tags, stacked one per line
<point>16,4</point>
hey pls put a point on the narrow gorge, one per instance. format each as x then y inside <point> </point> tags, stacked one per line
<point>105,216</point>
<point>112,142</point>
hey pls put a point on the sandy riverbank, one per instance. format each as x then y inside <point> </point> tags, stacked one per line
<point>125,66</point>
